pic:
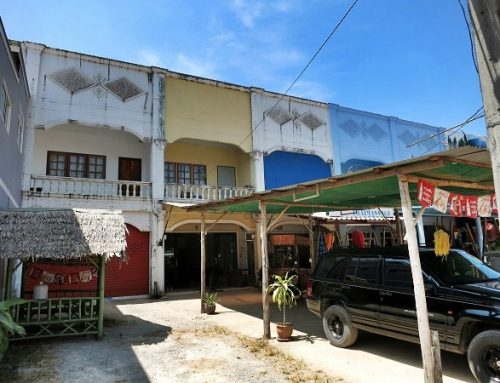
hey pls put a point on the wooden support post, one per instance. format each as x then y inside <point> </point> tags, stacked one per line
<point>265,270</point>
<point>8,278</point>
<point>203,262</point>
<point>436,354</point>
<point>100,320</point>
<point>418,284</point>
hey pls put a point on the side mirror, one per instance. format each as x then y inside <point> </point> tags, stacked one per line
<point>428,284</point>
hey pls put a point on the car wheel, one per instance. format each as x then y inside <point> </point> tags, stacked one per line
<point>484,356</point>
<point>338,327</point>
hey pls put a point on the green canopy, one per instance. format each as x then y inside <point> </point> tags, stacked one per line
<point>464,170</point>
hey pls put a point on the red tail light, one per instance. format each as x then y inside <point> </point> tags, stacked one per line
<point>309,290</point>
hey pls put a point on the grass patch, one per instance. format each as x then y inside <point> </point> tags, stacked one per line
<point>294,369</point>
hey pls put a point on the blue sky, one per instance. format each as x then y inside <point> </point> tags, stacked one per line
<point>404,58</point>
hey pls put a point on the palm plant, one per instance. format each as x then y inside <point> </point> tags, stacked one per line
<point>283,292</point>
<point>7,324</point>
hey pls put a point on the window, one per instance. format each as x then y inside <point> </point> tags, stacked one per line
<point>5,106</point>
<point>76,165</point>
<point>397,274</point>
<point>20,132</point>
<point>187,174</point>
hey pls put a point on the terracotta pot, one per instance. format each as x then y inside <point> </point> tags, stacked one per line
<point>210,309</point>
<point>284,331</point>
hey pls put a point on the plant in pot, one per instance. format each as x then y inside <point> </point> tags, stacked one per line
<point>283,293</point>
<point>209,302</point>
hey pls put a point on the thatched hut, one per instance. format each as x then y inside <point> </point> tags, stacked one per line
<point>62,235</point>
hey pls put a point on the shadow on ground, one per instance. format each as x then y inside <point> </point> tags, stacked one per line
<point>249,301</point>
<point>87,359</point>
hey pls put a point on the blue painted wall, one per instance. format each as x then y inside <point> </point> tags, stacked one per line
<point>287,168</point>
<point>362,139</point>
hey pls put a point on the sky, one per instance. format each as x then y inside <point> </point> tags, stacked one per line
<point>409,59</point>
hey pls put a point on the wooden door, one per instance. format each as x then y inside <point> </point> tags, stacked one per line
<point>129,169</point>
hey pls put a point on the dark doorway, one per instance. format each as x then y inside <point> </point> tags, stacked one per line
<point>129,169</point>
<point>182,260</point>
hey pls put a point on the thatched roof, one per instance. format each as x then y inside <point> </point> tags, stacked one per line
<point>61,234</point>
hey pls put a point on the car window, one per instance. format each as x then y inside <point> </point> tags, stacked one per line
<point>338,269</point>
<point>350,272</point>
<point>397,274</point>
<point>367,270</point>
<point>458,267</point>
<point>325,265</point>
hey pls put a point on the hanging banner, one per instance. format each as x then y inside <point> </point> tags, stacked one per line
<point>457,205</point>
<point>425,193</point>
<point>471,206</point>
<point>484,206</point>
<point>440,200</point>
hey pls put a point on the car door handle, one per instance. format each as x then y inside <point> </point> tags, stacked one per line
<point>386,293</point>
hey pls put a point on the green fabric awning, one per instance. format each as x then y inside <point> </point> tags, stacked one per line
<point>464,170</point>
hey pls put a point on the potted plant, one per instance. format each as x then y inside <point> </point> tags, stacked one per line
<point>7,324</point>
<point>209,302</point>
<point>283,295</point>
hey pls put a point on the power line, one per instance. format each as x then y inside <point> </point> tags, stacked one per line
<point>470,35</point>
<point>303,70</point>
<point>472,118</point>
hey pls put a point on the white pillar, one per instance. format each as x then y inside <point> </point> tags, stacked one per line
<point>265,270</point>
<point>258,171</point>
<point>157,252</point>
<point>480,236</point>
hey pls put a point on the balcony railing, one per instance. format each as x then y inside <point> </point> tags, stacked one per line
<point>89,188</point>
<point>203,193</point>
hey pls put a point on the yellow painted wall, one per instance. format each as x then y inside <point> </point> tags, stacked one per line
<point>212,156</point>
<point>178,218</point>
<point>207,112</point>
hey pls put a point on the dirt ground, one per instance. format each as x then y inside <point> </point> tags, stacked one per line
<point>155,342</point>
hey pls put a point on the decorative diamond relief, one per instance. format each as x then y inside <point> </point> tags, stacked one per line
<point>430,143</point>
<point>407,138</point>
<point>72,80</point>
<point>351,128</point>
<point>279,115</point>
<point>310,120</point>
<point>376,132</point>
<point>123,88</point>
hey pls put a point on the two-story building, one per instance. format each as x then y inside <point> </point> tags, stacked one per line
<point>207,157</point>
<point>96,135</point>
<point>14,98</point>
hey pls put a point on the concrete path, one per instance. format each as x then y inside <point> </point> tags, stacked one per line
<point>372,359</point>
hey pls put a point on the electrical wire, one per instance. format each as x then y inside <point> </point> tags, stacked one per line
<point>472,118</point>
<point>303,70</point>
<point>473,52</point>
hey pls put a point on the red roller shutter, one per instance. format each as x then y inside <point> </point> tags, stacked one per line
<point>131,278</point>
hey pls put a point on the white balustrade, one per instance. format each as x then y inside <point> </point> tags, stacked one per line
<point>89,188</point>
<point>203,193</point>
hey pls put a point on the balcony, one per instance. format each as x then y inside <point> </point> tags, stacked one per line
<point>88,188</point>
<point>203,193</point>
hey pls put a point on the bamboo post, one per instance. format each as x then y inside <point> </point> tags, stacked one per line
<point>429,365</point>
<point>203,263</point>
<point>265,271</point>
<point>100,320</point>
<point>8,278</point>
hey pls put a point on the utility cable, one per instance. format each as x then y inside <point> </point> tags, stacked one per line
<point>470,35</point>
<point>303,70</point>
<point>472,118</point>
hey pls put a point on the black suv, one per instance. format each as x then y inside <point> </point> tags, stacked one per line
<point>371,289</point>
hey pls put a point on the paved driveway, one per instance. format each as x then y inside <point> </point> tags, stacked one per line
<point>372,359</point>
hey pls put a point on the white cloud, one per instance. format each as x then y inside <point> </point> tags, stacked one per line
<point>193,66</point>
<point>312,90</point>
<point>150,58</point>
<point>248,11</point>
<point>284,57</point>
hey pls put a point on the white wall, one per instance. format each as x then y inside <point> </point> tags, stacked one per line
<point>293,135</point>
<point>90,140</point>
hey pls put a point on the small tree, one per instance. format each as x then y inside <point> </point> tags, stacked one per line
<point>283,292</point>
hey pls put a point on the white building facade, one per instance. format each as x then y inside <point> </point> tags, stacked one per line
<point>96,129</point>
